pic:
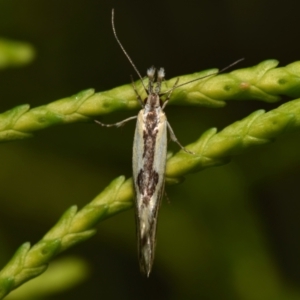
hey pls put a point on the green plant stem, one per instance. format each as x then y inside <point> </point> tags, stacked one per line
<point>213,149</point>
<point>261,82</point>
<point>72,228</point>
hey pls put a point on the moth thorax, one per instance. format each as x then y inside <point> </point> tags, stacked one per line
<point>153,100</point>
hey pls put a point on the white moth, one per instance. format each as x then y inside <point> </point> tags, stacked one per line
<point>149,157</point>
<point>149,164</point>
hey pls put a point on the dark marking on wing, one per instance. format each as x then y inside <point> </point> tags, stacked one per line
<point>148,178</point>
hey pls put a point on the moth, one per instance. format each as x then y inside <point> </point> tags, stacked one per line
<point>149,164</point>
<point>149,156</point>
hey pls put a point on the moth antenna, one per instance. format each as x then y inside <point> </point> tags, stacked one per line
<point>216,73</point>
<point>231,65</point>
<point>123,49</point>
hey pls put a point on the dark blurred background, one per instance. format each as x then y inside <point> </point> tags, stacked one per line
<point>230,232</point>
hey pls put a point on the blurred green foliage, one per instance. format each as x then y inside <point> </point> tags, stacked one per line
<point>15,54</point>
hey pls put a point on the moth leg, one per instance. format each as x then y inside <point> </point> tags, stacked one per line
<point>169,95</point>
<point>137,94</point>
<point>116,124</point>
<point>174,139</point>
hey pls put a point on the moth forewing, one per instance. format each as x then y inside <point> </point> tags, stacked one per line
<point>149,163</point>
